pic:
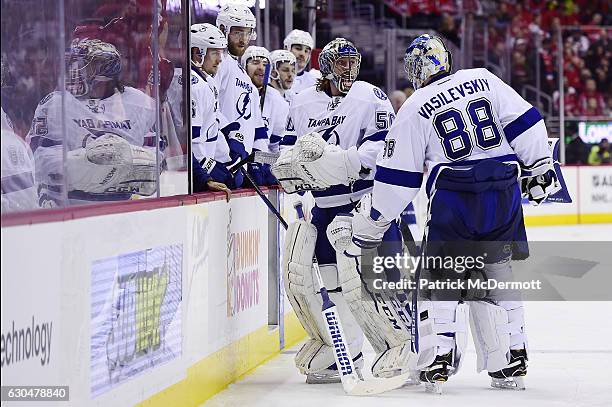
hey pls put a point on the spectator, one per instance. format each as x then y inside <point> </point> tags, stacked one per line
<point>576,151</point>
<point>591,102</point>
<point>600,153</point>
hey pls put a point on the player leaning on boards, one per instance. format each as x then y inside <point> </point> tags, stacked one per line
<point>108,133</point>
<point>274,111</point>
<point>335,131</point>
<point>238,97</point>
<point>475,135</point>
<point>300,44</point>
<point>207,46</point>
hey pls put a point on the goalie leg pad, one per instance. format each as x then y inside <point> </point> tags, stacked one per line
<point>317,354</point>
<point>442,327</point>
<point>384,321</point>
<point>496,329</point>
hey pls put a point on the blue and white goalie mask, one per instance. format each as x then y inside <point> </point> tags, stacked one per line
<point>339,62</point>
<point>426,57</point>
<point>89,63</point>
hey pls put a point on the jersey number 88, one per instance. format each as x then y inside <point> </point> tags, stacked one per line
<point>455,136</point>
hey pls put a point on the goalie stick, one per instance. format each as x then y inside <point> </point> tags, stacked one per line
<point>352,384</point>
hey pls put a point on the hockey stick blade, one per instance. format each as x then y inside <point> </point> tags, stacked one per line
<point>352,384</point>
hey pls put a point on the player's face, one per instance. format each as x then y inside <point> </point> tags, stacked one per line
<point>238,40</point>
<point>302,54</point>
<point>212,60</point>
<point>256,68</point>
<point>286,74</point>
<point>347,69</point>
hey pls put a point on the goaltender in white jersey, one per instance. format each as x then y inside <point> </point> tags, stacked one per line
<point>476,136</point>
<point>356,121</point>
<point>334,133</point>
<point>108,133</point>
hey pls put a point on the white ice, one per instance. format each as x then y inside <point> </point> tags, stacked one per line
<point>570,358</point>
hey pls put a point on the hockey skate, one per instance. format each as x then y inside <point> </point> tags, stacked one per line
<point>437,373</point>
<point>511,377</point>
<point>331,375</point>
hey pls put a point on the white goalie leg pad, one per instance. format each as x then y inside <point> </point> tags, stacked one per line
<point>435,319</point>
<point>317,354</point>
<point>383,320</point>
<point>497,328</point>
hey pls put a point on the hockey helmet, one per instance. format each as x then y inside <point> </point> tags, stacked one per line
<point>254,52</point>
<point>236,15</point>
<point>204,36</point>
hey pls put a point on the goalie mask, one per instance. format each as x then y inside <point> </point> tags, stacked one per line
<point>205,36</point>
<point>339,62</point>
<point>425,58</point>
<point>90,63</point>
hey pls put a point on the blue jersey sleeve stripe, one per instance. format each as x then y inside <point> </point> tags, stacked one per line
<point>288,140</point>
<point>378,136</point>
<point>261,133</point>
<point>195,132</point>
<point>521,124</point>
<point>275,139</point>
<point>400,178</point>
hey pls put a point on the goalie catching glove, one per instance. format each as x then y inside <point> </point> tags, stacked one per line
<point>109,164</point>
<point>313,164</point>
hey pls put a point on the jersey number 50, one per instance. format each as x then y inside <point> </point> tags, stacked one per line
<point>456,137</point>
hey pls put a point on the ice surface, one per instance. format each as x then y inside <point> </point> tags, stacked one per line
<point>570,355</point>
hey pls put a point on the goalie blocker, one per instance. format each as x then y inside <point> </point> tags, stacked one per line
<point>313,165</point>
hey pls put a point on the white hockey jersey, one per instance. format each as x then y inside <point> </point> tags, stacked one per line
<point>204,118</point>
<point>274,115</point>
<point>303,80</point>
<point>129,114</point>
<point>239,103</point>
<point>456,121</point>
<point>361,118</point>
<point>18,187</point>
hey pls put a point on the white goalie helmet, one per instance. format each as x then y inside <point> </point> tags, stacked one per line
<point>236,15</point>
<point>205,36</point>
<point>254,52</point>
<point>426,57</point>
<point>298,37</point>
